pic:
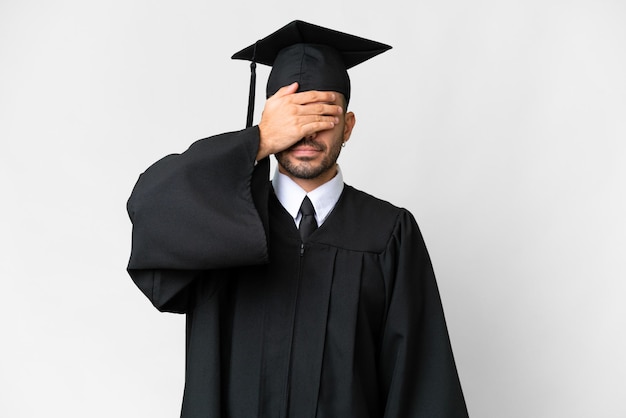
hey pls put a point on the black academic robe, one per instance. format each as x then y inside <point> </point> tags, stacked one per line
<point>346,324</point>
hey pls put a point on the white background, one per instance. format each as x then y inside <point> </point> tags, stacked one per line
<point>500,124</point>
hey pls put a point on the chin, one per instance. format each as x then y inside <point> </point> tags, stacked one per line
<point>302,170</point>
<point>304,167</point>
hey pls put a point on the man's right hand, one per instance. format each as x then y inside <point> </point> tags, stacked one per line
<point>289,116</point>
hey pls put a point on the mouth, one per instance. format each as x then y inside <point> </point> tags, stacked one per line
<point>307,144</point>
<point>304,152</point>
<point>305,148</point>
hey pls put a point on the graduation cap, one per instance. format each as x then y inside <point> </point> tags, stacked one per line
<point>316,57</point>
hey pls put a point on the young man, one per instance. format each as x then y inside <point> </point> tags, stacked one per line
<point>304,296</point>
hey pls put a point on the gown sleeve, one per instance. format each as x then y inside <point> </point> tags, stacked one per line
<point>202,210</point>
<point>417,368</point>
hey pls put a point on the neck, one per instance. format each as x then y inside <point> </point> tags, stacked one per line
<point>311,184</point>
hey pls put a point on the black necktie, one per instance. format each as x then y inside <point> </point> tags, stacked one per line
<point>308,224</point>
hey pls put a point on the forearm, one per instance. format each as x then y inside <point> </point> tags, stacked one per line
<point>196,210</point>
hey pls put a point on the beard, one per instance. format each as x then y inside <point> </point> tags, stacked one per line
<point>303,167</point>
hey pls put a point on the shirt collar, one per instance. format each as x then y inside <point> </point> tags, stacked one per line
<point>324,198</point>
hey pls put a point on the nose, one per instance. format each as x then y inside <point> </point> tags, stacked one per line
<point>311,136</point>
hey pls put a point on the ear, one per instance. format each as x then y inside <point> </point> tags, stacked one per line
<point>350,120</point>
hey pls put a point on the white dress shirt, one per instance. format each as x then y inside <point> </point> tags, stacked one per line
<point>324,198</point>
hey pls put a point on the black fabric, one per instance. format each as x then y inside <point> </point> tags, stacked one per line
<point>314,67</point>
<point>314,56</point>
<point>346,324</point>
<point>308,224</point>
<point>353,49</point>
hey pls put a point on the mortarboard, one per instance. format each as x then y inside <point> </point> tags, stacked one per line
<point>316,57</point>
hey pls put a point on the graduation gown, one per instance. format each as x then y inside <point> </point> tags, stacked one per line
<point>346,324</point>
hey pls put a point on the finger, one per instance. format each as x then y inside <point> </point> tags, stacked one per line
<point>306,119</point>
<point>319,109</point>
<point>285,90</point>
<point>314,96</point>
<point>315,124</point>
<point>315,127</point>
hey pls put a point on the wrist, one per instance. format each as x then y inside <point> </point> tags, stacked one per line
<point>263,150</point>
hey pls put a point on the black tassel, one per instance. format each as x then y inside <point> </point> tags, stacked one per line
<point>252,91</point>
<point>251,94</point>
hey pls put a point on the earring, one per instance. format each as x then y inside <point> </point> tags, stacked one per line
<point>343,145</point>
